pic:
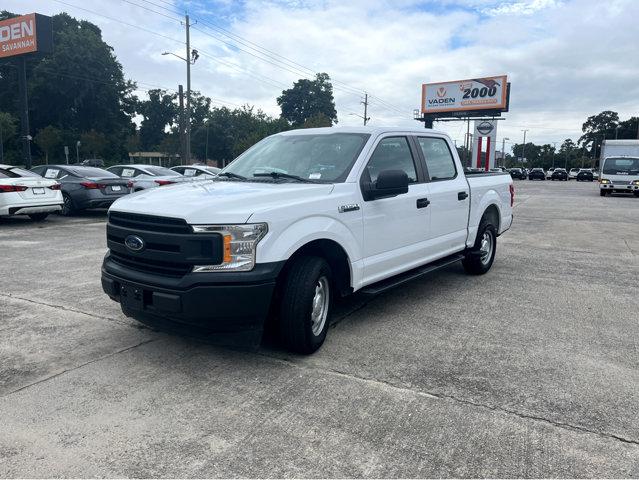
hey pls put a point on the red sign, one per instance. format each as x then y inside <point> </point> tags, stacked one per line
<point>18,35</point>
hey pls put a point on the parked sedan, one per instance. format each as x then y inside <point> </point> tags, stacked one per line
<point>585,175</point>
<point>147,176</point>
<point>537,173</point>
<point>549,173</point>
<point>200,171</point>
<point>518,173</point>
<point>572,174</point>
<point>559,174</point>
<point>85,187</point>
<point>25,193</point>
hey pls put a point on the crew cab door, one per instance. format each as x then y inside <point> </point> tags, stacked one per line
<point>395,228</point>
<point>449,195</point>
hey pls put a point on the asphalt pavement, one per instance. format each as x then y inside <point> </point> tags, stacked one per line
<point>529,371</point>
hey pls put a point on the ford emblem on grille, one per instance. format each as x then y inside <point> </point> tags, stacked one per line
<point>134,243</point>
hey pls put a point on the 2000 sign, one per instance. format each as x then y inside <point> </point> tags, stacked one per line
<point>480,92</point>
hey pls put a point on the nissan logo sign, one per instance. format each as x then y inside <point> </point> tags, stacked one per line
<point>134,243</point>
<point>485,128</point>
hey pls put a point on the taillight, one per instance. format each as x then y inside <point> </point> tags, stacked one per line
<point>129,184</point>
<point>57,186</point>
<point>163,182</point>
<point>512,194</point>
<point>92,185</point>
<point>12,188</point>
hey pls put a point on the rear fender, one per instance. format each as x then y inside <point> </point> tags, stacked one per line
<point>491,197</point>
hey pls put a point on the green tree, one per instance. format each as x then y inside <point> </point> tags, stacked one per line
<point>48,139</point>
<point>531,152</point>
<point>317,120</point>
<point>94,143</point>
<point>78,87</point>
<point>307,99</point>
<point>8,130</point>
<point>158,112</point>
<point>598,127</point>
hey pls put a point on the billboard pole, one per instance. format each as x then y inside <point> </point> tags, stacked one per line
<point>24,111</point>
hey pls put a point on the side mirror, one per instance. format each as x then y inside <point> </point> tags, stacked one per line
<point>389,183</point>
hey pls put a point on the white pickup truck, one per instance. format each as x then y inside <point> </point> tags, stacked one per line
<point>298,220</point>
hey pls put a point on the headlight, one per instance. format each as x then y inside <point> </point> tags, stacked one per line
<point>604,180</point>
<point>239,245</point>
<point>635,182</point>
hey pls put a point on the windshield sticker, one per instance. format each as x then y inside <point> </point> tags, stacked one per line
<point>189,172</point>
<point>127,172</point>
<point>315,176</point>
<point>51,173</point>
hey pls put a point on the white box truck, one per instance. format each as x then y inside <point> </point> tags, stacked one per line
<point>619,167</point>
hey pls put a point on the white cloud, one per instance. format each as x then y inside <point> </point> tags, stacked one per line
<point>566,60</point>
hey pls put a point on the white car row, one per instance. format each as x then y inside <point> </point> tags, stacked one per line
<point>45,189</point>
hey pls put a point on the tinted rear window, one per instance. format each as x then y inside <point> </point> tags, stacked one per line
<point>161,171</point>
<point>90,172</point>
<point>7,174</point>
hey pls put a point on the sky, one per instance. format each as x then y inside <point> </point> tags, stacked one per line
<point>565,59</point>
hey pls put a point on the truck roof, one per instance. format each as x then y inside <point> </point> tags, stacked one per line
<point>369,130</point>
<point>622,143</point>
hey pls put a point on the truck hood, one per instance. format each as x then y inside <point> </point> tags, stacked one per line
<point>217,202</point>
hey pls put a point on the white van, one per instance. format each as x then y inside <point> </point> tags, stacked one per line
<point>619,175</point>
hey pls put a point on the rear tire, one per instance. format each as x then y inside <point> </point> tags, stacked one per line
<point>480,258</point>
<point>305,305</point>
<point>38,217</point>
<point>67,207</point>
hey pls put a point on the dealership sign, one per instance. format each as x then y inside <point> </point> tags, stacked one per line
<point>26,34</point>
<point>489,93</point>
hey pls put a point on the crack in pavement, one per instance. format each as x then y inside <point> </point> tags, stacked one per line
<point>75,310</point>
<point>443,396</point>
<point>62,372</point>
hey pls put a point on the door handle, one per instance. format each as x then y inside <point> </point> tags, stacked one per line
<point>462,196</point>
<point>422,202</point>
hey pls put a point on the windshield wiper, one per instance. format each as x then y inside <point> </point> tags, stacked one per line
<point>284,175</point>
<point>231,175</point>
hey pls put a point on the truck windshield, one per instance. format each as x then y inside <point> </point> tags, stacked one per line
<point>621,166</point>
<point>318,157</point>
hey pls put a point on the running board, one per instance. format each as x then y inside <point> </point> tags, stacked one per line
<point>389,283</point>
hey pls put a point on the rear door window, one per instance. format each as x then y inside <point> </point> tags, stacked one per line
<point>439,160</point>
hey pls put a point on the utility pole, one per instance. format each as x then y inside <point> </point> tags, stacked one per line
<point>523,150</point>
<point>206,150</point>
<point>181,124</point>
<point>24,111</point>
<point>365,103</point>
<point>188,90</point>
<point>554,144</point>
<point>617,131</point>
<point>503,150</point>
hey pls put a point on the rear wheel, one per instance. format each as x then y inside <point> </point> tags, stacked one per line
<point>480,258</point>
<point>38,217</point>
<point>305,305</point>
<point>67,207</point>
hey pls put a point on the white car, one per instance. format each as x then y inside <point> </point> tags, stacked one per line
<point>26,193</point>
<point>147,176</point>
<point>549,173</point>
<point>203,172</point>
<point>619,175</point>
<point>298,220</point>
<point>572,173</point>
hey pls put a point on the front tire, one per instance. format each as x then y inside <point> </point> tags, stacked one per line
<point>38,217</point>
<point>480,258</point>
<point>602,193</point>
<point>305,305</point>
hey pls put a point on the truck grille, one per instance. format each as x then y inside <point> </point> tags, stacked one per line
<point>170,246</point>
<point>148,222</point>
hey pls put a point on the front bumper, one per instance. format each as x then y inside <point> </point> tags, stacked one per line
<point>619,188</point>
<point>218,302</point>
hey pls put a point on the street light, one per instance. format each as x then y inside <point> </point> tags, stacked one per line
<point>194,55</point>
<point>503,151</point>
<point>77,151</point>
<point>617,131</point>
<point>366,119</point>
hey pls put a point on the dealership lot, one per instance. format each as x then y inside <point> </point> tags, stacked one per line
<point>530,370</point>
